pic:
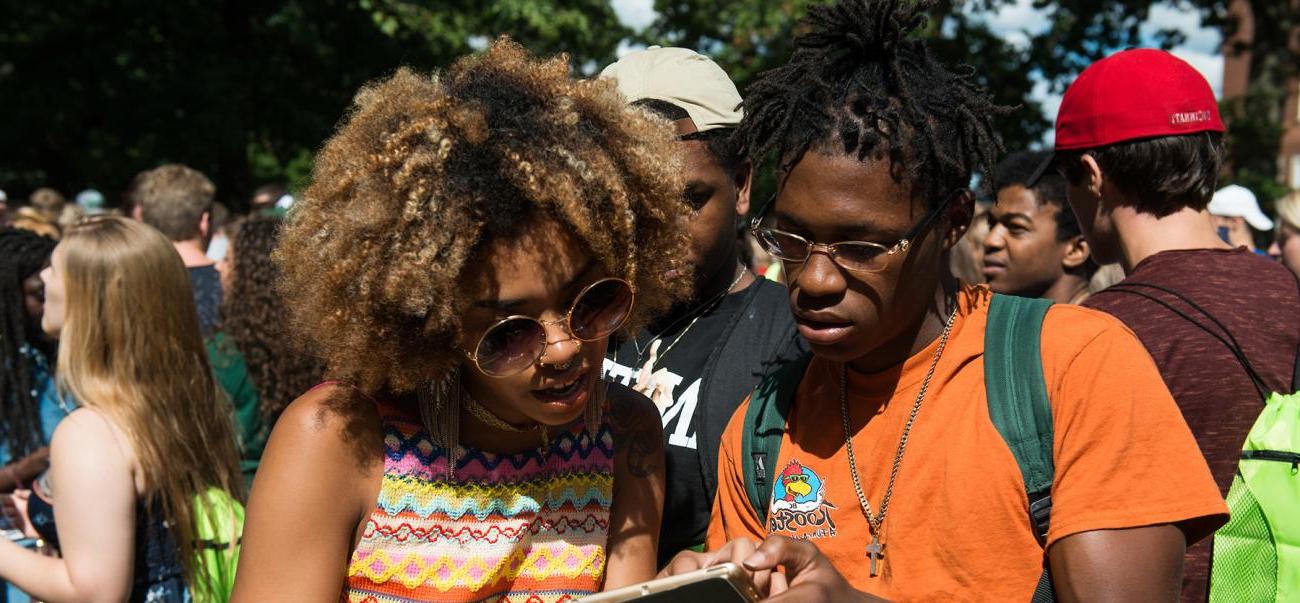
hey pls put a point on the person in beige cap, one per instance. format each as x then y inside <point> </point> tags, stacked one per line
<point>698,362</point>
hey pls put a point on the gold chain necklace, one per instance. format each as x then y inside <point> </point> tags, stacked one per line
<point>699,312</point>
<point>486,417</point>
<point>876,550</point>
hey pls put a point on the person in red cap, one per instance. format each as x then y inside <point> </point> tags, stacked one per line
<point>1139,139</point>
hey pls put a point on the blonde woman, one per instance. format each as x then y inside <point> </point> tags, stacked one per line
<point>152,432</point>
<point>1286,245</point>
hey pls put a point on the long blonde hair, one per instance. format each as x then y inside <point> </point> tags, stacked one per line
<point>130,348</point>
<point>1288,209</point>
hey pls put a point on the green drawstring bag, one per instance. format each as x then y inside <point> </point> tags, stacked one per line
<point>1257,554</point>
<point>219,520</point>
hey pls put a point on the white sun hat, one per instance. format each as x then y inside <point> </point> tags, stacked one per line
<point>1235,201</point>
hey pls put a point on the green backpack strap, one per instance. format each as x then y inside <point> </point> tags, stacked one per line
<point>765,419</point>
<point>1019,405</point>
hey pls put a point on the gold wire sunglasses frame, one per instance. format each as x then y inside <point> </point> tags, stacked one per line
<point>625,298</point>
<point>856,256</point>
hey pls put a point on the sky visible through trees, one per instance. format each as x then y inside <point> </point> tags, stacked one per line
<point>246,91</point>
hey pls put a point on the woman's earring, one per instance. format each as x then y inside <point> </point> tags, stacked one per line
<point>440,413</point>
<point>595,407</point>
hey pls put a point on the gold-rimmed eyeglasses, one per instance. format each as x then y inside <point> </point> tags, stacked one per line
<point>857,256</point>
<point>514,343</point>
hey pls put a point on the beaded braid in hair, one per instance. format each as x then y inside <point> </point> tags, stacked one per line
<point>22,254</point>
<point>859,84</point>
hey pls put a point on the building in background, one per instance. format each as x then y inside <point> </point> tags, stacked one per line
<point>1243,71</point>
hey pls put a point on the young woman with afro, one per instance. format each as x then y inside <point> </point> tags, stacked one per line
<point>468,243</point>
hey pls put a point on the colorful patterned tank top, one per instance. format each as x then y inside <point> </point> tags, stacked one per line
<point>521,527</point>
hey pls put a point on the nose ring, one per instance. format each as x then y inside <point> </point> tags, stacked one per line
<point>566,365</point>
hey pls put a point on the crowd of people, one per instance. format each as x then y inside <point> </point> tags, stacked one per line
<point>524,336</point>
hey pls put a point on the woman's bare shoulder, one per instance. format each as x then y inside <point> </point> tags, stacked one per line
<point>334,422</point>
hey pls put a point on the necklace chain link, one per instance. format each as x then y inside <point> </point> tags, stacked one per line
<point>490,419</point>
<point>876,521</point>
<point>700,312</point>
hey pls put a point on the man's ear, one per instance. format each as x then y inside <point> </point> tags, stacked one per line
<point>203,225</point>
<point>1094,179</point>
<point>1076,253</point>
<point>744,179</point>
<point>958,216</point>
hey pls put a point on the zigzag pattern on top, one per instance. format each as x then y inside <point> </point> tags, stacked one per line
<point>475,572</point>
<point>445,500</point>
<point>542,481</point>
<point>537,596</point>
<point>530,527</point>
<point>493,534</point>
<point>564,446</point>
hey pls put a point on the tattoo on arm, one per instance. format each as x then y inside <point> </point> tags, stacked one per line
<point>641,443</point>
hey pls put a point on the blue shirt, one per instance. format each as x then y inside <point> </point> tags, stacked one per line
<point>46,394</point>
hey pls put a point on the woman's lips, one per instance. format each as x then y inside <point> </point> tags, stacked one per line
<point>568,395</point>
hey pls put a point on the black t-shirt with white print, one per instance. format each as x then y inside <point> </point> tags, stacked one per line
<point>669,369</point>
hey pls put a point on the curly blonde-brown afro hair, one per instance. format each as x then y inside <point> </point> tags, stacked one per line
<point>424,172</point>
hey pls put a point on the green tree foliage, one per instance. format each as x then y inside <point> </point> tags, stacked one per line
<point>93,92</point>
<point>749,36</point>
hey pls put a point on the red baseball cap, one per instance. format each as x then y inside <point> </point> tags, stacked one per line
<point>1132,95</point>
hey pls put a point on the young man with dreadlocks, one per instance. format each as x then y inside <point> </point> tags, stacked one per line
<point>699,361</point>
<point>890,472</point>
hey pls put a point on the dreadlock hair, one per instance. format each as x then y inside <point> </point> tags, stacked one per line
<point>858,84</point>
<point>22,254</point>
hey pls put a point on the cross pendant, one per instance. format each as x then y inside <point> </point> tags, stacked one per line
<point>875,552</point>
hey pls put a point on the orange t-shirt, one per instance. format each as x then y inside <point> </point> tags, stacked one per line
<point>958,524</point>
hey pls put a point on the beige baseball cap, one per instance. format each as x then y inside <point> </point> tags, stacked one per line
<point>682,77</point>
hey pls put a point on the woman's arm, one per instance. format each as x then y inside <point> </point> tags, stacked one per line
<point>318,479</point>
<point>638,489</point>
<point>94,511</point>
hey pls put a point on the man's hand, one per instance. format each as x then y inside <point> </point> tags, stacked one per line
<point>807,574</point>
<point>736,551</point>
